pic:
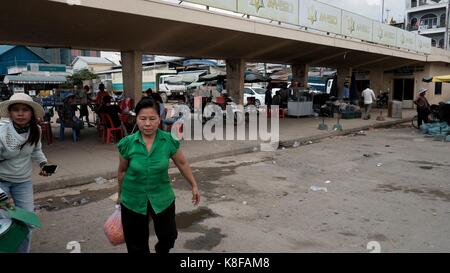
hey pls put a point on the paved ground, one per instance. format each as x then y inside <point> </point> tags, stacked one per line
<point>389,186</point>
<point>82,162</point>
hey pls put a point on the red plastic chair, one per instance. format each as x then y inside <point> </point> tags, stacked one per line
<point>46,129</point>
<point>109,128</point>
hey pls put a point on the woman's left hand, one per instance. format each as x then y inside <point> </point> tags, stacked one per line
<point>44,173</point>
<point>195,196</point>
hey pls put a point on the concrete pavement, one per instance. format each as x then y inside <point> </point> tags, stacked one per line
<point>80,163</point>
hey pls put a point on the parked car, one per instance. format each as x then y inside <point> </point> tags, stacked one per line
<point>256,92</point>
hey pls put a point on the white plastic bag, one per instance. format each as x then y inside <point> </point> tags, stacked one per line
<point>113,228</point>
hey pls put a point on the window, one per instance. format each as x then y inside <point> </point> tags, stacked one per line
<point>438,88</point>
<point>428,21</point>
<point>414,25</point>
<point>433,42</point>
<point>441,43</point>
<point>248,91</point>
<point>442,20</point>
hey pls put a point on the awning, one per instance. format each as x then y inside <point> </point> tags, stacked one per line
<point>249,77</point>
<point>213,77</point>
<point>34,79</point>
<point>184,78</point>
<point>445,78</point>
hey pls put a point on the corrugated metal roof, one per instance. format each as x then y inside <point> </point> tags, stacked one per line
<point>4,48</point>
<point>93,60</point>
<point>34,79</point>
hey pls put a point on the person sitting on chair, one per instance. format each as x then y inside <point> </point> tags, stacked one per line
<point>67,115</point>
<point>111,109</point>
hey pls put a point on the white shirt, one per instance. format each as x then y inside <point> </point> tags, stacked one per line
<point>369,96</point>
<point>15,163</point>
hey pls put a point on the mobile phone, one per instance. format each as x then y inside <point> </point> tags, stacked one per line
<point>50,168</point>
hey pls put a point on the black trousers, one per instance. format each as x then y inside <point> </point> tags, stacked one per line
<point>422,116</point>
<point>136,229</point>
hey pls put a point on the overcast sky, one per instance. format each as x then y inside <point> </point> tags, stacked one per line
<point>372,8</point>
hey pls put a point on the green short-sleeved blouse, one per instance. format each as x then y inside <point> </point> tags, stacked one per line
<point>147,178</point>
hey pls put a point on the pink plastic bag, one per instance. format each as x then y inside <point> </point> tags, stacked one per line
<point>113,228</point>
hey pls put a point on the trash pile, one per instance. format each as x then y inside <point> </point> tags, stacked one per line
<point>439,130</point>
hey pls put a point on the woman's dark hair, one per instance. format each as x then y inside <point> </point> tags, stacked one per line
<point>146,102</point>
<point>35,134</point>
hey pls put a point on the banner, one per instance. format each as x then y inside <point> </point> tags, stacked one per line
<point>278,10</point>
<point>423,44</point>
<point>222,4</point>
<point>406,39</point>
<point>320,16</point>
<point>357,26</point>
<point>384,34</point>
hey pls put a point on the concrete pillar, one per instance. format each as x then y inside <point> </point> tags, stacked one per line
<point>300,74</point>
<point>344,74</point>
<point>235,79</point>
<point>132,74</point>
<point>377,83</point>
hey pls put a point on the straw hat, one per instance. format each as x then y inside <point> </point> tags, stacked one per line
<point>422,90</point>
<point>23,99</point>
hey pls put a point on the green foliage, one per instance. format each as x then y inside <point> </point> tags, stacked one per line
<point>78,77</point>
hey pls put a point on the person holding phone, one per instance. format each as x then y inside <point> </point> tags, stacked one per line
<point>20,143</point>
<point>144,186</point>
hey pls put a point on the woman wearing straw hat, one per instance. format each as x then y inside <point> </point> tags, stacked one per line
<point>423,107</point>
<point>20,142</point>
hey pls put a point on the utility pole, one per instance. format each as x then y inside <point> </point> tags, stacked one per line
<point>382,11</point>
<point>446,36</point>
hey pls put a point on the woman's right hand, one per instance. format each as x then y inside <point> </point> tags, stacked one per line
<point>9,204</point>
<point>118,199</point>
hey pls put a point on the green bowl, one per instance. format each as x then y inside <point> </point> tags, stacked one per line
<point>12,234</point>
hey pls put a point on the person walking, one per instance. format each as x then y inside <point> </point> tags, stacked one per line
<point>369,98</point>
<point>144,186</point>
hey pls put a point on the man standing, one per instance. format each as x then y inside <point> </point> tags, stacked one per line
<point>268,96</point>
<point>369,97</point>
<point>423,107</point>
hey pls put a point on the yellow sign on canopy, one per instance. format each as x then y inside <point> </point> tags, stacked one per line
<point>445,78</point>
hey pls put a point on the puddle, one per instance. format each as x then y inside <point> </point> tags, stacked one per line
<point>56,203</point>
<point>349,234</point>
<point>187,219</point>
<point>436,164</point>
<point>208,241</point>
<point>429,193</point>
<point>225,162</point>
<point>281,178</point>
<point>426,167</point>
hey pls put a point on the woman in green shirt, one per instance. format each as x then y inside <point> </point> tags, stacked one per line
<point>144,186</point>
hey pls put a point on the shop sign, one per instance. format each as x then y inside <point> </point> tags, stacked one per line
<point>222,4</point>
<point>384,34</point>
<point>356,26</point>
<point>277,10</point>
<point>320,16</point>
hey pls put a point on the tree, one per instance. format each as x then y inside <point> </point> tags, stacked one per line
<point>79,76</point>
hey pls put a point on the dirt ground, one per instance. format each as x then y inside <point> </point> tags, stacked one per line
<point>388,188</point>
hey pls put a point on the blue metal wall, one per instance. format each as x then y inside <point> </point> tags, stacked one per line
<point>20,56</point>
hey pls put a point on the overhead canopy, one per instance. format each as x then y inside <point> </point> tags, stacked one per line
<point>445,78</point>
<point>19,79</point>
<point>251,77</point>
<point>213,77</point>
<point>184,78</point>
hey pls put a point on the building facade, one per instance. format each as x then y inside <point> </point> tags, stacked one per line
<point>428,18</point>
<point>63,55</point>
